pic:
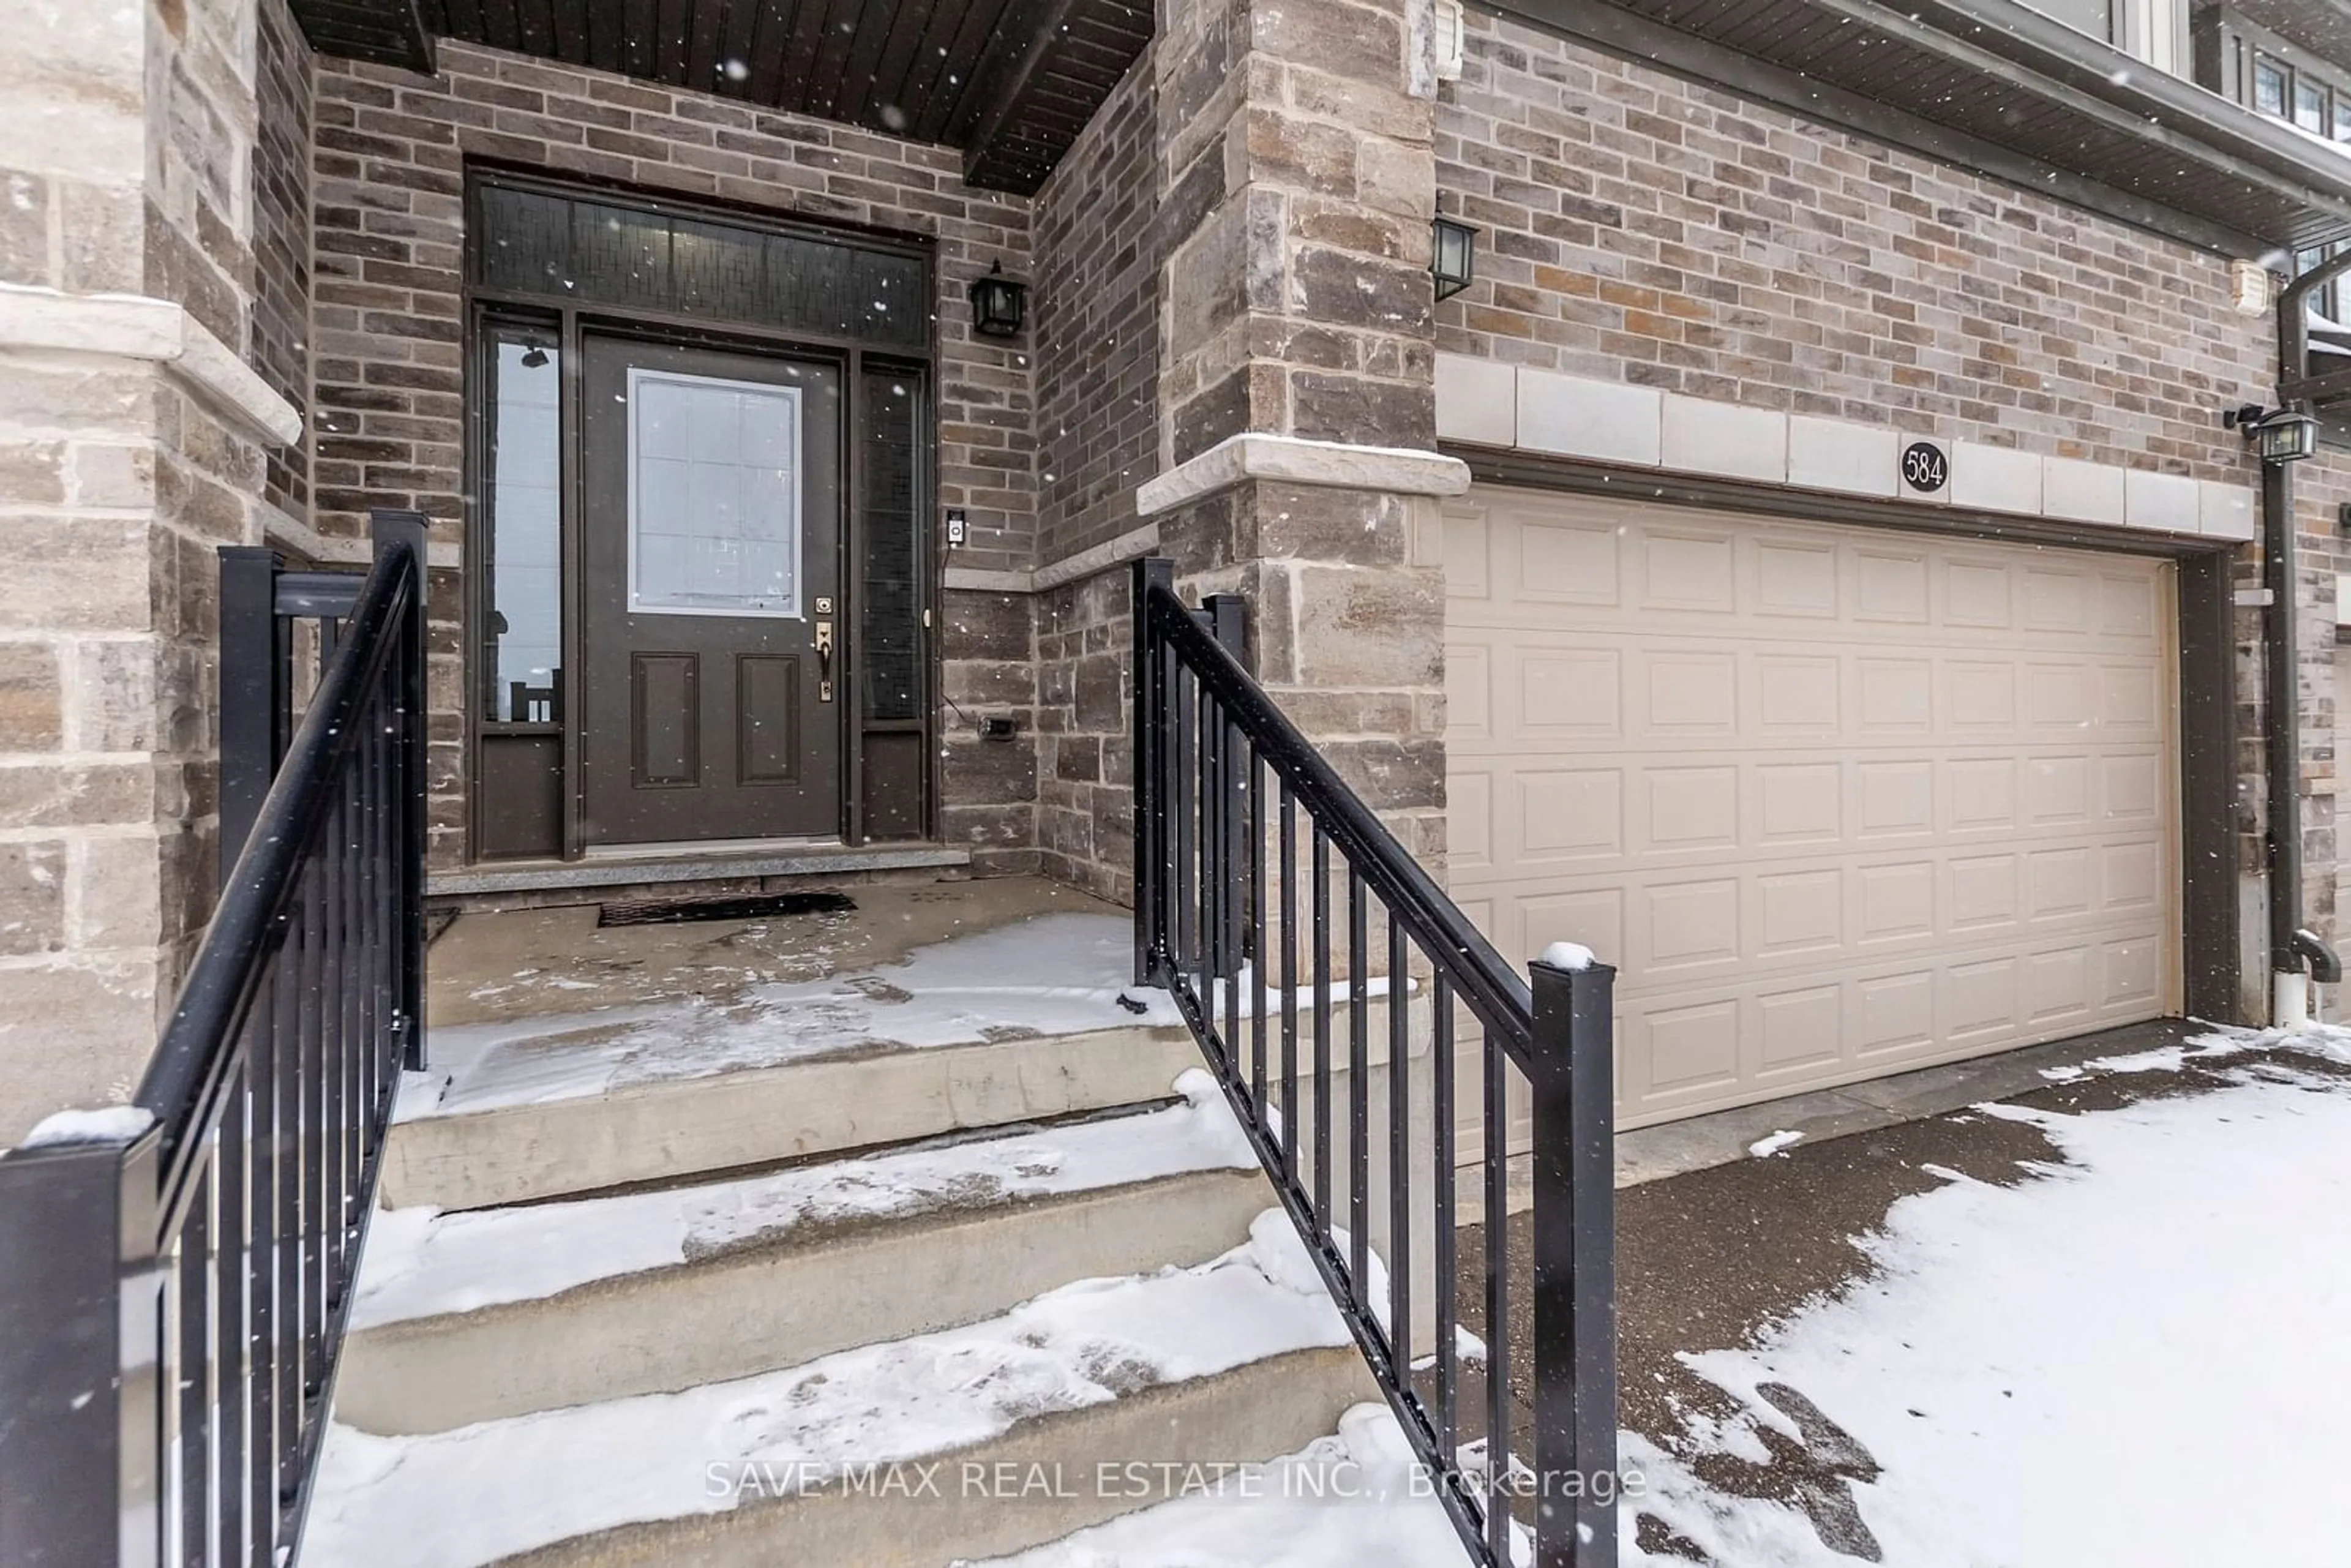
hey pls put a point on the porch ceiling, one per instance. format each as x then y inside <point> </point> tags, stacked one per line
<point>1010,83</point>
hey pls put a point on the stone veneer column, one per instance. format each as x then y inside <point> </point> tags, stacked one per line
<point>1297,388</point>
<point>132,443</point>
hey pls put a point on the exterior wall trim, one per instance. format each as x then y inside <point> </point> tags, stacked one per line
<point>1535,412</point>
<point>1293,460</point>
<point>1129,546</point>
<point>134,326</point>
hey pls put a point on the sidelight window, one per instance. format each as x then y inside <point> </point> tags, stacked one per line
<point>522,551</point>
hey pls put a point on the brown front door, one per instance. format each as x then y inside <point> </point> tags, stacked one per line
<point>712,612</point>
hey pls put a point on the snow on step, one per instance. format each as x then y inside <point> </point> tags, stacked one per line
<point>474,1495</point>
<point>421,1262</point>
<point>1357,1500</point>
<point>1060,974</point>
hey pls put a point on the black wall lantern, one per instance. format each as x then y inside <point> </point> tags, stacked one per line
<point>1452,254</point>
<point>997,303</point>
<point>2278,434</point>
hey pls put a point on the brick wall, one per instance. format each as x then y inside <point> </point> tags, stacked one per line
<point>1096,326</point>
<point>281,241</point>
<point>1098,367</point>
<point>1643,227</point>
<point>388,377</point>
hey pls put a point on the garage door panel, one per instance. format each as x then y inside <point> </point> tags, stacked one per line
<point>1795,578</point>
<point>1688,571</point>
<point>1569,813</point>
<point>1837,802</point>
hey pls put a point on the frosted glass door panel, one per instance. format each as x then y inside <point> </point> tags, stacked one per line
<point>714,496</point>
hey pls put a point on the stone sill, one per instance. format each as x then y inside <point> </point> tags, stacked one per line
<point>1488,403</point>
<point>134,326</point>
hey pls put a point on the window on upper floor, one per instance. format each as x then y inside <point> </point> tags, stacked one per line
<point>2154,31</point>
<point>2266,73</point>
<point>2269,86</point>
<point>2322,302</point>
<point>2310,104</point>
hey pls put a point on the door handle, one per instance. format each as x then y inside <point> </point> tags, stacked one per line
<point>824,660</point>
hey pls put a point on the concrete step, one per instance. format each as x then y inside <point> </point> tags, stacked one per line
<point>975,1442</point>
<point>1356,1499</point>
<point>488,1314</point>
<point>449,1153</point>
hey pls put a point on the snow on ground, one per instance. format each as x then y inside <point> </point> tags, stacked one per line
<point>421,1262</point>
<point>1054,975</point>
<point>1353,1501</point>
<point>452,1499</point>
<point>2137,1357</point>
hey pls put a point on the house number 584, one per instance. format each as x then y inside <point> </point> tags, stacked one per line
<point>1926,467</point>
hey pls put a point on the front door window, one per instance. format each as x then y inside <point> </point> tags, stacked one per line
<point>713,495</point>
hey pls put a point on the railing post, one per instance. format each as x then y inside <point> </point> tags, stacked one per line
<point>1150,809</point>
<point>1226,616</point>
<point>79,1381</point>
<point>410,527</point>
<point>1574,1224</point>
<point>253,677</point>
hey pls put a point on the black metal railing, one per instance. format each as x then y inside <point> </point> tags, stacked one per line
<point>1352,1013</point>
<point>173,1278</point>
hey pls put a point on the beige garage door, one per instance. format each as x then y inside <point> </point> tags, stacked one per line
<point>1839,802</point>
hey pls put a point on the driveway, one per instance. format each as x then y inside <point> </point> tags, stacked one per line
<point>2103,1320</point>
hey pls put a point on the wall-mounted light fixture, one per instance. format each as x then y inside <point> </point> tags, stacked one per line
<point>997,303</point>
<point>1452,254</point>
<point>2279,434</point>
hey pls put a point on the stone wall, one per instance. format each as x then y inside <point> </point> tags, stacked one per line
<point>1644,228</point>
<point>1085,750</point>
<point>1296,184</point>
<point>129,133</point>
<point>392,149</point>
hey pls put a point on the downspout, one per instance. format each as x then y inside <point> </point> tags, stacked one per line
<point>2297,955</point>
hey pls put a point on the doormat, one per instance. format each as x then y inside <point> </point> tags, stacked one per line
<point>721,906</point>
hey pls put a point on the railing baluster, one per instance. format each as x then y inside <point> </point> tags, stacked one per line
<point>1399,1152</point>
<point>1187,788</point>
<point>1171,811</point>
<point>193,1393</point>
<point>1498,1304</point>
<point>270,1007</point>
<point>232,1309</point>
<point>1440,1112</point>
<point>1289,985</point>
<point>334,1041</point>
<point>1258,956</point>
<point>1359,1091</point>
<point>1321,870</point>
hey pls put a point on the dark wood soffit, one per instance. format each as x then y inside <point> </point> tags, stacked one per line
<point>1009,83</point>
<point>1996,89</point>
<point>389,32</point>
